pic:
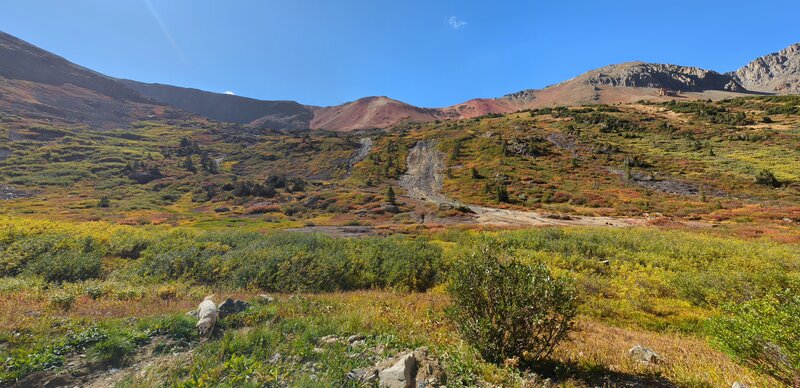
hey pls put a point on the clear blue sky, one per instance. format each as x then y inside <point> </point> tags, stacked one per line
<point>425,52</point>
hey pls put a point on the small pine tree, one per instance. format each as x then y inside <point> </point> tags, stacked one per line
<point>188,164</point>
<point>104,202</point>
<point>390,196</point>
<point>767,178</point>
<point>502,193</point>
<point>475,173</point>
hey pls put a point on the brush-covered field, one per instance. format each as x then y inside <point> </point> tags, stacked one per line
<point>732,163</point>
<point>108,238</point>
<point>92,296</point>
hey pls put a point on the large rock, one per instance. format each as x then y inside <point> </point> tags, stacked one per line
<point>644,354</point>
<point>230,306</point>
<point>415,369</point>
<point>399,375</point>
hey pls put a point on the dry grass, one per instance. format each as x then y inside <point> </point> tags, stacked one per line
<point>596,354</point>
<point>689,361</point>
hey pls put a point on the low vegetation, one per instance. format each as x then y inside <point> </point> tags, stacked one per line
<point>643,280</point>
<point>108,238</point>
<point>764,333</point>
<point>509,310</point>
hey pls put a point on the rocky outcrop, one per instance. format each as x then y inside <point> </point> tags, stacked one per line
<point>400,374</point>
<point>413,369</point>
<point>774,73</point>
<point>656,75</point>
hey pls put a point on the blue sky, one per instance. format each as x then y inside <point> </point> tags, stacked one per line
<point>428,53</point>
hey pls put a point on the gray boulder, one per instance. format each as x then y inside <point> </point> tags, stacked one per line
<point>644,354</point>
<point>230,306</point>
<point>399,375</point>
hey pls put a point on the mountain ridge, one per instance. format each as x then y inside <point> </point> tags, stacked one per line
<point>39,81</point>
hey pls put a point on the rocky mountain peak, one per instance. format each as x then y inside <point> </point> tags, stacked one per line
<point>774,73</point>
<point>656,75</point>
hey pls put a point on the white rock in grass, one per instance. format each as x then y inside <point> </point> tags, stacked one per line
<point>399,375</point>
<point>644,354</point>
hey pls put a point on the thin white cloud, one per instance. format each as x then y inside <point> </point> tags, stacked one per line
<point>455,23</point>
<point>228,92</point>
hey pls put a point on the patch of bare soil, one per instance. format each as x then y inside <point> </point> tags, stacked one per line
<point>424,177</point>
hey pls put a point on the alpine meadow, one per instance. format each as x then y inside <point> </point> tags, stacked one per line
<point>637,225</point>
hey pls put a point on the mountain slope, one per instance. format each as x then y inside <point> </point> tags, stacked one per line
<point>630,82</point>
<point>774,73</point>
<point>36,84</point>
<point>370,112</point>
<point>224,107</point>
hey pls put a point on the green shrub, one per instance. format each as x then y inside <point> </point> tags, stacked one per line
<point>508,309</point>
<point>178,327</point>
<point>66,266</point>
<point>94,292</point>
<point>114,350</point>
<point>763,334</point>
<point>62,301</point>
<point>767,178</point>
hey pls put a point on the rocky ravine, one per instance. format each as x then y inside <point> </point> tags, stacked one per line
<point>425,175</point>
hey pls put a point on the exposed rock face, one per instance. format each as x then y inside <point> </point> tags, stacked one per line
<point>655,75</point>
<point>775,73</point>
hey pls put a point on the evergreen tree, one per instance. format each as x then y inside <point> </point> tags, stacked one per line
<point>188,164</point>
<point>502,193</point>
<point>390,196</point>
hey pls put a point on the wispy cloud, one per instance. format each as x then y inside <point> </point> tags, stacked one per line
<point>455,23</point>
<point>228,92</point>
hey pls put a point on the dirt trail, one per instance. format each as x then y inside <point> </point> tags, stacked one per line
<point>424,177</point>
